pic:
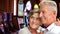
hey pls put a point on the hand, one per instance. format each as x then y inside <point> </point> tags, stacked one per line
<point>58,22</point>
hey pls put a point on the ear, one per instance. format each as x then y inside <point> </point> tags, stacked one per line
<point>54,12</point>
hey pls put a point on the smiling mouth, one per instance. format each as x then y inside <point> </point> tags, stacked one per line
<point>36,24</point>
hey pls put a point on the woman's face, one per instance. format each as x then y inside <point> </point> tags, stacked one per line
<point>34,21</point>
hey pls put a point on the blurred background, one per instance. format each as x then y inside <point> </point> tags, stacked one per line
<point>14,14</point>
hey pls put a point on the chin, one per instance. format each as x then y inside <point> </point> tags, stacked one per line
<point>35,27</point>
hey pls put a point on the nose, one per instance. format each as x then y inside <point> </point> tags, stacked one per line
<point>40,15</point>
<point>34,20</point>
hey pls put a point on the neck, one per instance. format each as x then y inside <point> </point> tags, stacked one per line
<point>51,23</point>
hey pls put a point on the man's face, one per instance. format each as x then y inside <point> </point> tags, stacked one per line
<point>46,15</point>
<point>34,21</point>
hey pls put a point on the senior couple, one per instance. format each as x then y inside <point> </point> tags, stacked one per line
<point>46,15</point>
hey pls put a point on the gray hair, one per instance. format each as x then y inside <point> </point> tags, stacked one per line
<point>51,4</point>
<point>32,12</point>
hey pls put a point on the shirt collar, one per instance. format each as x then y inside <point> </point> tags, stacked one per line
<point>51,26</point>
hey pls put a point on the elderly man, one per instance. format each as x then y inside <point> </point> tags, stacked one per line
<point>48,13</point>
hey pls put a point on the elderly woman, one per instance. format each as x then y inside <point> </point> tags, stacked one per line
<point>34,24</point>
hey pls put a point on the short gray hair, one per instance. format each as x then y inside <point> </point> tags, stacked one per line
<point>32,12</point>
<point>50,3</point>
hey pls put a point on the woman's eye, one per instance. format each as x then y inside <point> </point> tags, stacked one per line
<point>31,16</point>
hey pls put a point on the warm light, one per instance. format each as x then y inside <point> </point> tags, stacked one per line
<point>36,6</point>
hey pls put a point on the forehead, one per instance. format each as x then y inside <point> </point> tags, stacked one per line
<point>44,7</point>
<point>35,15</point>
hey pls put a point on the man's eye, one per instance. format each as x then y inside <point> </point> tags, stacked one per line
<point>42,11</point>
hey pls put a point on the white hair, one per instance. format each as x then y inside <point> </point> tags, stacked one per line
<point>52,5</point>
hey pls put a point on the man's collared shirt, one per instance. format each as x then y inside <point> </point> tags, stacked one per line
<point>53,29</point>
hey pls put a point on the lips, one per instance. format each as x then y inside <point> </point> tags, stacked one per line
<point>35,25</point>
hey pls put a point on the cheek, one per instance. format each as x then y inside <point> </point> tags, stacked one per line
<point>39,23</point>
<point>31,22</point>
<point>48,16</point>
